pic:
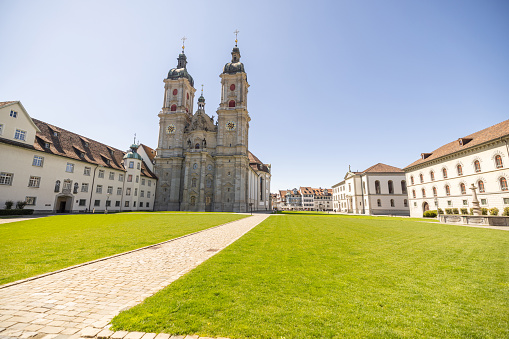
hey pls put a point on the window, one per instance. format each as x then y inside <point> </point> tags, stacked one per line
<point>135,192</point>
<point>484,201</point>
<point>20,135</point>
<point>413,194</point>
<point>173,108</point>
<point>459,169</point>
<point>142,181</point>
<point>37,161</point>
<point>86,171</point>
<point>193,200</point>
<point>403,186</point>
<point>108,203</point>
<point>150,183</point>
<point>412,180</point>
<point>138,165</point>
<point>435,191</point>
<point>126,204</point>
<point>82,202</point>
<point>69,167</point>
<point>30,200</point>
<point>447,190</point>
<point>1,129</point>
<point>97,202</point>
<point>109,190</point>
<point>14,114</point>
<point>141,203</point>
<point>131,164</point>
<point>137,178</point>
<point>119,190</point>
<point>84,187</point>
<point>432,175</point>
<point>423,193</point>
<point>480,184</point>
<point>99,189</point>
<point>148,195</point>
<point>405,203</point>
<point>231,103</point>
<point>117,203</point>
<point>449,202</point>
<point>379,203</point>
<point>101,174</point>
<point>392,202</point>
<point>421,178</point>
<point>377,187</point>
<point>477,166</point>
<point>498,161</point>
<point>128,191</point>
<point>463,188</point>
<point>134,203</point>
<point>193,182</point>
<point>506,201</point>
<point>147,204</point>
<point>120,177</point>
<point>130,178</point>
<point>503,184</point>
<point>142,194</point>
<point>444,172</point>
<point>34,181</point>
<point>112,176</point>
<point>465,202</point>
<point>46,145</point>
<point>391,187</point>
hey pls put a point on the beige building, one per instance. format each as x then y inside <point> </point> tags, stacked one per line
<point>443,178</point>
<point>202,164</point>
<point>304,199</point>
<point>54,170</point>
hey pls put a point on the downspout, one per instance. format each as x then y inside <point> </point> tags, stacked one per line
<point>92,190</point>
<point>362,197</point>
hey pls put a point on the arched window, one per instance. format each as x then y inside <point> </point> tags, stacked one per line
<point>459,169</point>
<point>193,182</point>
<point>231,103</point>
<point>413,194</point>
<point>377,187</point>
<point>392,202</point>
<point>463,188</point>
<point>447,190</point>
<point>175,91</point>
<point>193,201</point>
<point>477,166</point>
<point>434,191</point>
<point>498,161</point>
<point>57,186</point>
<point>412,180</point>
<point>403,186</point>
<point>444,172</point>
<point>503,184</point>
<point>173,108</point>
<point>480,184</point>
<point>423,193</point>
<point>391,187</point>
<point>421,177</point>
<point>197,146</point>
<point>379,203</point>
<point>432,175</point>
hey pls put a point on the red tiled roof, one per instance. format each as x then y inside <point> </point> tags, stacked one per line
<point>477,138</point>
<point>256,163</point>
<point>5,103</point>
<point>150,152</point>
<point>382,168</point>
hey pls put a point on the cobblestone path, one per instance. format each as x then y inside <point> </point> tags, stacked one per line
<point>84,299</point>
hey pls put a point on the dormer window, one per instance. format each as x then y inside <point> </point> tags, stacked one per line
<point>86,144</point>
<point>55,133</point>
<point>14,114</point>
<point>46,145</point>
<point>82,155</point>
<point>464,141</point>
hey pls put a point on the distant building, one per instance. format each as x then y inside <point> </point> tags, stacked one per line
<point>55,170</point>
<point>378,190</point>
<point>304,199</point>
<point>443,177</point>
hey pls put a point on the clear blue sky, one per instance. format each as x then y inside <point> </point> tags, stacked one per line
<point>333,83</point>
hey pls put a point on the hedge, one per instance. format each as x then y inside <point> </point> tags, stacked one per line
<point>26,211</point>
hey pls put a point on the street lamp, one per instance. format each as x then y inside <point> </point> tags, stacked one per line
<point>438,210</point>
<point>251,206</point>
<point>107,201</point>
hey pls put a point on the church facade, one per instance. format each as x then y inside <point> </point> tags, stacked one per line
<point>202,164</point>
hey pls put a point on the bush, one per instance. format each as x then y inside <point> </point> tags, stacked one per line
<point>16,212</point>
<point>440,211</point>
<point>455,211</point>
<point>471,211</point>
<point>484,211</point>
<point>464,211</point>
<point>8,204</point>
<point>20,205</point>
<point>494,211</point>
<point>430,214</point>
<point>506,211</point>
<point>448,210</point>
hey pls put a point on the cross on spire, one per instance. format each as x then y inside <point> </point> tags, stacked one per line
<point>201,89</point>
<point>183,43</point>
<point>134,138</point>
<point>236,32</point>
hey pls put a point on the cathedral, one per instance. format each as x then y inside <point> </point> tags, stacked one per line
<point>202,164</point>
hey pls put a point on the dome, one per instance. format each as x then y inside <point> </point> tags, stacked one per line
<point>180,71</point>
<point>235,66</point>
<point>132,155</point>
<point>201,98</point>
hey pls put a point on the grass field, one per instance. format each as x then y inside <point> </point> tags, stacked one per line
<point>299,276</point>
<point>41,245</point>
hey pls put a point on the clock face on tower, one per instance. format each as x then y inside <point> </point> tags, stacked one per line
<point>171,129</point>
<point>230,126</point>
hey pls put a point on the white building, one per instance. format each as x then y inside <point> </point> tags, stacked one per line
<point>445,175</point>
<point>54,170</point>
<point>378,190</point>
<point>339,203</point>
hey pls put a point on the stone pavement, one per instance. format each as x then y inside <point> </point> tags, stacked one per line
<point>81,301</point>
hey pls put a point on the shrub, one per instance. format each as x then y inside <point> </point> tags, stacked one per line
<point>20,205</point>
<point>471,211</point>
<point>430,214</point>
<point>455,211</point>
<point>16,212</point>
<point>506,211</point>
<point>448,210</point>
<point>494,211</point>
<point>8,204</point>
<point>484,211</point>
<point>464,211</point>
<point>440,211</point>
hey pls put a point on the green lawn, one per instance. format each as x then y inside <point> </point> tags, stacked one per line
<point>32,247</point>
<point>298,276</point>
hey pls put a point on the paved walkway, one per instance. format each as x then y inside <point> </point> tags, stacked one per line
<point>83,300</point>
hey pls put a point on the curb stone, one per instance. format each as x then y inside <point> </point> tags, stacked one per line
<point>100,334</point>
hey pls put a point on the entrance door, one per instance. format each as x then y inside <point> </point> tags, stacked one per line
<point>62,207</point>
<point>425,207</point>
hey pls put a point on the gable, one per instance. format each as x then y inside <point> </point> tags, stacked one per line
<point>13,118</point>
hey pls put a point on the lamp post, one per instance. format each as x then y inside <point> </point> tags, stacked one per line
<point>438,210</point>
<point>251,206</point>
<point>107,200</point>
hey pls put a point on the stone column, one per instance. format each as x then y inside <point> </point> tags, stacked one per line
<point>475,202</point>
